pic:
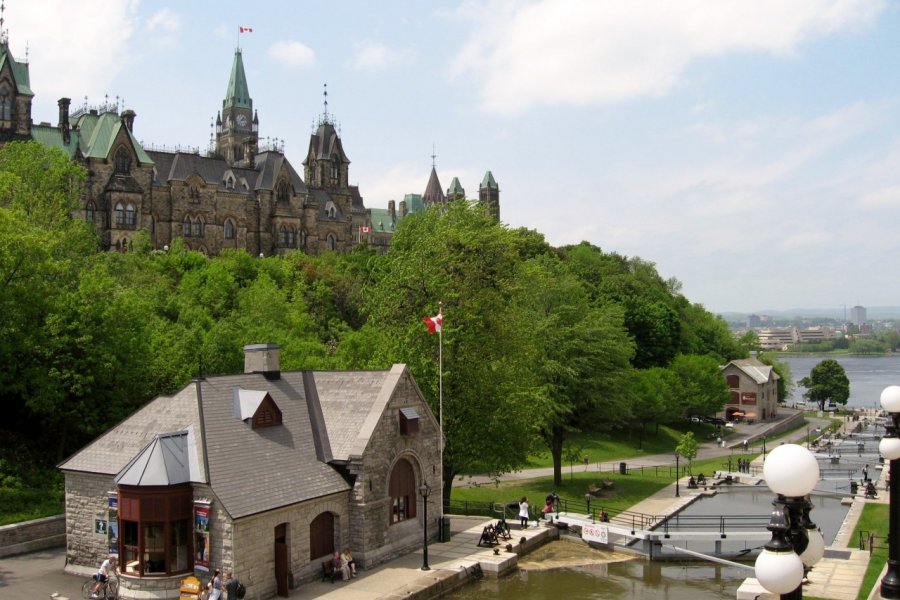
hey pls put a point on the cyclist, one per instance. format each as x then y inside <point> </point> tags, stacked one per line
<point>102,576</point>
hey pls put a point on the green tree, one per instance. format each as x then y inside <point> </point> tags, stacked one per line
<point>688,447</point>
<point>580,355</point>
<point>827,382</point>
<point>701,388</point>
<point>466,259</point>
<point>785,383</point>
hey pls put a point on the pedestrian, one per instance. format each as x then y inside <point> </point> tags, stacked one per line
<point>523,512</point>
<point>746,445</point>
<point>231,585</point>
<point>215,586</point>
<point>866,473</point>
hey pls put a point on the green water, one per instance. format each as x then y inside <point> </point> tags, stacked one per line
<point>572,571</point>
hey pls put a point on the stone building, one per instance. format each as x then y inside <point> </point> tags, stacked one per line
<point>754,389</point>
<point>264,473</point>
<point>238,194</point>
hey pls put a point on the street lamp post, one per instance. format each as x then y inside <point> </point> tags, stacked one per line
<point>677,475</point>
<point>425,489</point>
<point>791,472</point>
<point>889,446</point>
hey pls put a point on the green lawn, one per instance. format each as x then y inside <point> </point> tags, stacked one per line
<point>874,519</point>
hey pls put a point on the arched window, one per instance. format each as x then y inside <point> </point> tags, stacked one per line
<point>402,491</point>
<point>331,242</point>
<point>89,212</point>
<point>5,105</point>
<point>120,214</point>
<point>129,215</point>
<point>198,227</point>
<point>186,227</point>
<point>734,381</point>
<point>303,238</point>
<point>335,169</point>
<point>321,536</point>
<point>282,236</point>
<point>155,536</point>
<point>229,229</point>
<point>291,237</point>
<point>123,161</point>
<point>284,192</point>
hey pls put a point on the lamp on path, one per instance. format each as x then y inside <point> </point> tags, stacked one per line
<point>889,447</point>
<point>677,475</point>
<point>791,472</point>
<point>425,489</point>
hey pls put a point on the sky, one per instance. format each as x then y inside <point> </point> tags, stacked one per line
<point>750,150</point>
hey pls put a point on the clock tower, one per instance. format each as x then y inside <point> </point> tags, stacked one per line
<point>237,124</point>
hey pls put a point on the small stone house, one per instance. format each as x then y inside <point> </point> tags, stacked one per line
<point>264,473</point>
<point>754,390</point>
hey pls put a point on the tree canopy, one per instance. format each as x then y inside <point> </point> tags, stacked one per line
<point>827,382</point>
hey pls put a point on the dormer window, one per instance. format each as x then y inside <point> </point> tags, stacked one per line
<point>284,192</point>
<point>409,421</point>
<point>256,407</point>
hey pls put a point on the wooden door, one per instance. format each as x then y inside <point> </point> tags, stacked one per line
<point>281,560</point>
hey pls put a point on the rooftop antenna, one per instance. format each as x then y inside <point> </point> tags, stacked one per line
<point>325,113</point>
<point>433,156</point>
<point>211,137</point>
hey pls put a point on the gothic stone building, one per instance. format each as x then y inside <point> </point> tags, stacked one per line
<point>264,473</point>
<point>236,196</point>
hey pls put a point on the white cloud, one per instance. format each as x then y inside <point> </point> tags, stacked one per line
<point>578,52</point>
<point>74,48</point>
<point>292,54</point>
<point>375,56</point>
<point>164,27</point>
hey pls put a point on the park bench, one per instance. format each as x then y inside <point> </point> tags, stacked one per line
<point>328,572</point>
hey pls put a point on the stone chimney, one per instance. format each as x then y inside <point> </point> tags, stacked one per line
<point>392,210</point>
<point>128,119</point>
<point>250,150</point>
<point>64,119</point>
<point>403,208</point>
<point>263,358</point>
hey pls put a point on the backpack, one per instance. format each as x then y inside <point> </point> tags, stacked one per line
<point>240,591</point>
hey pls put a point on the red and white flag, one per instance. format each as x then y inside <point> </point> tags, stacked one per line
<point>434,323</point>
<point>365,229</point>
<point>245,29</point>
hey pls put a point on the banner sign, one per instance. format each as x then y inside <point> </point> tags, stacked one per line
<point>112,524</point>
<point>748,397</point>
<point>201,537</point>
<point>595,533</point>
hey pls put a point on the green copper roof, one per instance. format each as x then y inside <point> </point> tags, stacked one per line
<point>414,202</point>
<point>381,220</point>
<point>19,71</point>
<point>52,137</point>
<point>237,94</point>
<point>456,188</point>
<point>488,181</point>
<point>98,132</point>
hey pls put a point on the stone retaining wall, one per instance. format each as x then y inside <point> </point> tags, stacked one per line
<point>29,536</point>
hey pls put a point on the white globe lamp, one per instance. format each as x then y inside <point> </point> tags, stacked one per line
<point>890,399</point>
<point>779,572</point>
<point>791,470</point>
<point>815,550</point>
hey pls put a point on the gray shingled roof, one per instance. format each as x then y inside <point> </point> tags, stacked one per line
<point>324,142</point>
<point>756,370</point>
<point>250,470</point>
<point>269,165</point>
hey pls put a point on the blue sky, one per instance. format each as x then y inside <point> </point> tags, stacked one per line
<point>749,149</point>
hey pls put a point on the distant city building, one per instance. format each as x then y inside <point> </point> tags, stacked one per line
<point>238,194</point>
<point>780,338</point>
<point>754,321</point>
<point>858,315</point>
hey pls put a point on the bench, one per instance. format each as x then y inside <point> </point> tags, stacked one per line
<point>328,571</point>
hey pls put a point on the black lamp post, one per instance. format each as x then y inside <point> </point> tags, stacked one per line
<point>677,475</point>
<point>791,471</point>
<point>425,489</point>
<point>889,446</point>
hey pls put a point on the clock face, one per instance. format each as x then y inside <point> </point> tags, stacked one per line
<point>242,120</point>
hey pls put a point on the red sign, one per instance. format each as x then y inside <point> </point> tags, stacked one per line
<point>748,397</point>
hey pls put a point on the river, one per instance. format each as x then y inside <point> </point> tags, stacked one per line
<point>868,376</point>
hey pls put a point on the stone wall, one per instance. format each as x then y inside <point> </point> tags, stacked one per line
<point>87,499</point>
<point>29,536</point>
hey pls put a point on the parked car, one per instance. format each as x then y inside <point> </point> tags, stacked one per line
<point>729,425</point>
<point>714,420</point>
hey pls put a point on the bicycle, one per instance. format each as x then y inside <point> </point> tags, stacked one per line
<point>108,590</point>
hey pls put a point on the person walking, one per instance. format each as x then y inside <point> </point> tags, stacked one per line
<point>523,512</point>
<point>215,586</point>
<point>866,473</point>
<point>231,585</point>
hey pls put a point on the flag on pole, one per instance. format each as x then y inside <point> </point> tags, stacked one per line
<point>245,29</point>
<point>434,323</point>
<point>365,229</point>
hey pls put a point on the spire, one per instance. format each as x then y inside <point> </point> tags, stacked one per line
<point>238,94</point>
<point>433,191</point>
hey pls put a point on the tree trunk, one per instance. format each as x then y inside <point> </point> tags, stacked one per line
<point>447,486</point>
<point>557,437</point>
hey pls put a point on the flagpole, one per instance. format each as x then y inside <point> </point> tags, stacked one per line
<point>441,402</point>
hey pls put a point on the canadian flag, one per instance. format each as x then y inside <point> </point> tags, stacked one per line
<point>244,29</point>
<point>434,323</point>
<point>365,229</point>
